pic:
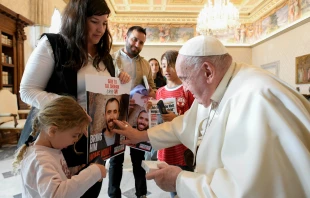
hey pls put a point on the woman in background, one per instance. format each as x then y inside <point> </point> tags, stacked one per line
<point>158,77</point>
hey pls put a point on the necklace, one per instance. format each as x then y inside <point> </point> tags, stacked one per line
<point>209,119</point>
<point>213,109</point>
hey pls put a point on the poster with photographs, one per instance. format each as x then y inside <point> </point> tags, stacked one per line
<point>138,118</point>
<point>107,100</point>
<point>154,114</point>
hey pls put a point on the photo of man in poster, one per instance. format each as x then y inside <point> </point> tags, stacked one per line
<point>112,111</point>
<point>143,121</point>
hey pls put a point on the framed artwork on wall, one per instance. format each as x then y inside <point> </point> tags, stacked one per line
<point>302,64</point>
<point>272,67</point>
<point>156,34</point>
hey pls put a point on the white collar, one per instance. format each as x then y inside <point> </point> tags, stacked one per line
<point>221,88</point>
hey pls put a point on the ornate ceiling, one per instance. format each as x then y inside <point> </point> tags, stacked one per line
<point>182,11</point>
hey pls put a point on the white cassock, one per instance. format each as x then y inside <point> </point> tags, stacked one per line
<point>257,143</point>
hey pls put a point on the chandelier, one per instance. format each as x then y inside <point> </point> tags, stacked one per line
<point>218,18</point>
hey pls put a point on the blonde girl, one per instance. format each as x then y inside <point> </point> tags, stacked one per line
<point>44,170</point>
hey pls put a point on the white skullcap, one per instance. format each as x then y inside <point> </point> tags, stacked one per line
<point>203,46</point>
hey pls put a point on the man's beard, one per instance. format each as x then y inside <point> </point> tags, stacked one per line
<point>112,127</point>
<point>143,128</point>
<point>129,51</point>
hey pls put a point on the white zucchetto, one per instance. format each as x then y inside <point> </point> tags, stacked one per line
<point>203,46</point>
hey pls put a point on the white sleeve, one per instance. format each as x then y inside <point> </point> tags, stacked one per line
<point>50,183</point>
<point>165,135</point>
<point>264,152</point>
<point>38,71</point>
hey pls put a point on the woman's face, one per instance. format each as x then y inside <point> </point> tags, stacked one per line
<point>154,66</point>
<point>96,26</point>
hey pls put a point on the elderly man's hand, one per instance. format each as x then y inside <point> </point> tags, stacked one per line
<point>133,135</point>
<point>165,177</point>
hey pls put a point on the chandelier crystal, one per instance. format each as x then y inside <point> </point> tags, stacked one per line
<point>217,18</point>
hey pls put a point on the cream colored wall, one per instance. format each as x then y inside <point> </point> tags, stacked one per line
<point>285,48</point>
<point>42,22</point>
<point>21,7</point>
<point>240,54</point>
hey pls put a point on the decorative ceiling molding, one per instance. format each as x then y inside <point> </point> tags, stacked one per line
<point>182,11</point>
<point>264,9</point>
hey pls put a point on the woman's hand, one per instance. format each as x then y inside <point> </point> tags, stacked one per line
<point>124,77</point>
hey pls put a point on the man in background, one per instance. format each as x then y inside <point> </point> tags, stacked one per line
<point>128,59</point>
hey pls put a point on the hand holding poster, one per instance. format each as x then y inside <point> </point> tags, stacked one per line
<point>154,113</point>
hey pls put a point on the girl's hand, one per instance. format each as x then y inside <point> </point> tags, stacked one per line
<point>103,171</point>
<point>124,77</point>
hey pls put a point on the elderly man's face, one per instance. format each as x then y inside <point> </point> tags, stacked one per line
<point>194,81</point>
<point>111,113</point>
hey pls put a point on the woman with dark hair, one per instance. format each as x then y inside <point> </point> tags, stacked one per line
<point>157,73</point>
<point>59,63</point>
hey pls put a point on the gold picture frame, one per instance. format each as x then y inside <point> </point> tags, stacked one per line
<point>302,69</point>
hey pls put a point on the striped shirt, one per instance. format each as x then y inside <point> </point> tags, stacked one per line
<point>184,100</point>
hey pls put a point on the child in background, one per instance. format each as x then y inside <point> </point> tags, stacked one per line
<point>44,171</point>
<point>174,89</point>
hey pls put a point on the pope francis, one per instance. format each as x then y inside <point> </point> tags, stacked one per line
<point>249,130</point>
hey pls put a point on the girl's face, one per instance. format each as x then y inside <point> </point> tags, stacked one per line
<point>168,71</point>
<point>65,138</point>
<point>154,66</point>
<point>96,26</point>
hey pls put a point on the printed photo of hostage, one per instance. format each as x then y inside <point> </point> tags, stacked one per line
<point>111,113</point>
<point>142,124</point>
<point>104,109</point>
<point>139,119</point>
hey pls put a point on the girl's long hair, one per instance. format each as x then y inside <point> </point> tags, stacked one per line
<point>63,112</point>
